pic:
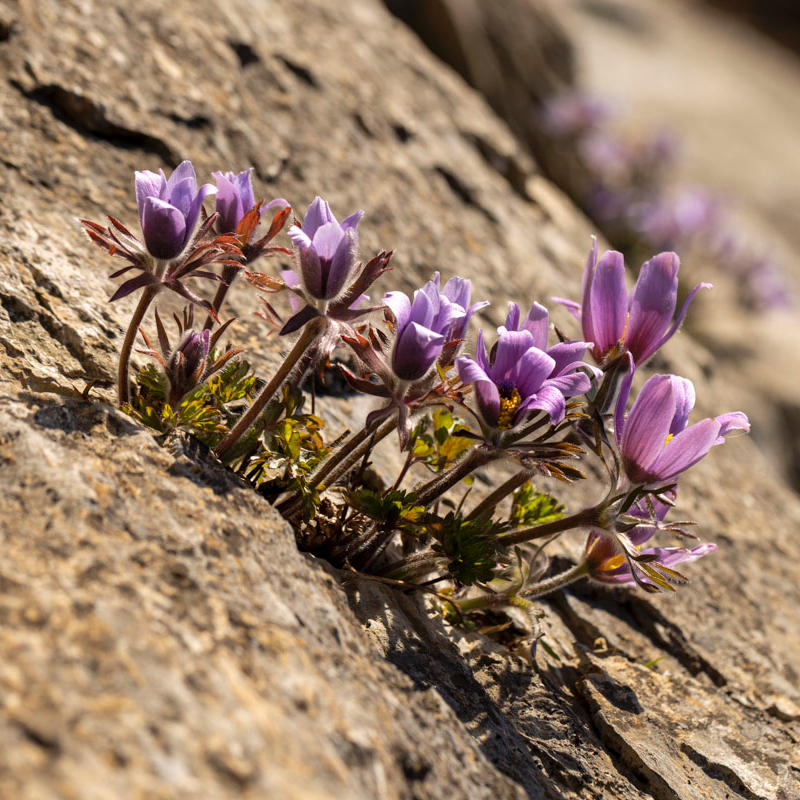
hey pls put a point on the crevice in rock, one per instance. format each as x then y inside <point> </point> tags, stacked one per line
<point>506,166</point>
<point>195,122</point>
<point>244,52</point>
<point>89,118</point>
<point>300,71</point>
<point>720,772</point>
<point>465,193</point>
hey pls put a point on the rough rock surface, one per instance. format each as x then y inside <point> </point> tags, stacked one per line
<point>162,636</point>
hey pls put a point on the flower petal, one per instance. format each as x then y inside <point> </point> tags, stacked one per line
<point>685,449</point>
<point>164,228</point>
<point>415,351</point>
<point>647,427</point>
<point>317,215</point>
<point>400,306</point>
<point>678,320</point>
<point>511,347</point>
<point>607,303</point>
<point>148,184</point>
<point>537,321</point>
<point>733,420</point>
<point>652,305</point>
<point>548,399</point>
<point>532,369</point>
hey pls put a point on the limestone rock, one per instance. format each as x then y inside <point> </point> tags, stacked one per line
<point>162,636</point>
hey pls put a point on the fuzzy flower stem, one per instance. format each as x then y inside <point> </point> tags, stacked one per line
<point>491,501</point>
<point>582,519</point>
<point>228,274</point>
<point>437,486</point>
<point>342,460</point>
<point>500,599</point>
<point>123,387</point>
<point>306,339</point>
<point>414,566</point>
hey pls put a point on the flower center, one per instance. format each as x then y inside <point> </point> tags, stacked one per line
<point>509,403</point>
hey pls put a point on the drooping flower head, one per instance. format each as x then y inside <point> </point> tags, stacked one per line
<point>326,249</point>
<point>234,198</point>
<point>423,326</point>
<point>519,378</point>
<point>654,440</point>
<point>610,558</point>
<point>169,208</point>
<point>639,322</point>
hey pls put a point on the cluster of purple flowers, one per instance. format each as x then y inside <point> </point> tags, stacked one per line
<point>625,189</point>
<point>415,360</point>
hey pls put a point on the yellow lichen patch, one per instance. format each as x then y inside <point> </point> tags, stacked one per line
<point>508,406</point>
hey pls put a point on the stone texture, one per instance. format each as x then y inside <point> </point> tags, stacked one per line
<point>162,636</point>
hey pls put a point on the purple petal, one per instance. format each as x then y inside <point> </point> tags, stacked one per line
<point>652,305</point>
<point>300,238</point>
<point>622,400</point>
<point>565,354</point>
<point>511,347</point>
<point>183,172</point>
<point>312,271</point>
<point>570,385</point>
<point>548,399</point>
<point>733,420</point>
<point>647,427</point>
<point>317,215</point>
<point>148,184</point>
<point>537,321</point>
<point>164,228</point>
<point>341,263</point>
<point>194,209</point>
<point>350,223</point>
<point>678,320</point>
<point>512,318</point>
<point>458,290</point>
<point>586,290</point>
<point>400,306</point>
<point>608,303</point>
<point>415,351</point>
<point>533,368</point>
<point>571,306</point>
<point>228,204</point>
<point>684,403</point>
<point>486,394</point>
<point>425,304</point>
<point>480,353</point>
<point>685,449</point>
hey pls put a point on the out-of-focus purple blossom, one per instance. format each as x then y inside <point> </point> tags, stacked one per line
<point>326,249</point>
<point>169,208</point>
<point>639,323</point>
<point>676,219</point>
<point>519,378</point>
<point>424,326</point>
<point>606,155</point>
<point>572,114</point>
<point>655,443</point>
<point>606,554</point>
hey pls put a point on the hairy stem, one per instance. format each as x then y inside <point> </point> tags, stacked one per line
<point>491,501</point>
<point>123,386</point>
<point>307,337</point>
<point>500,599</point>
<point>583,519</point>
<point>229,273</point>
<point>438,485</point>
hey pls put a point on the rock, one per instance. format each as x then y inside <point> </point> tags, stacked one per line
<point>162,635</point>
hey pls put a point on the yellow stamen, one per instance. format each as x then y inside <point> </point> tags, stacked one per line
<point>669,436</point>
<point>508,405</point>
<point>612,563</point>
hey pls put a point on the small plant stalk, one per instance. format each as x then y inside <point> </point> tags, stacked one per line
<point>306,339</point>
<point>475,458</point>
<point>229,273</point>
<point>123,385</point>
<point>583,519</point>
<point>490,502</point>
<point>500,599</point>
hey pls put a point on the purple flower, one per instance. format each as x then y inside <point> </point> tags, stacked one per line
<point>459,291</point>
<point>187,365</point>
<point>519,378</point>
<point>639,322</point>
<point>326,249</point>
<point>607,559</point>
<point>572,114</point>
<point>424,326</point>
<point>169,209</point>
<point>654,440</point>
<point>234,198</point>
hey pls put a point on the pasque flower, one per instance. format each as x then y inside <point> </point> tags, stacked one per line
<point>518,378</point>
<point>613,559</point>
<point>425,324</point>
<point>654,441</point>
<point>326,249</point>
<point>640,322</point>
<point>187,364</point>
<point>169,208</point>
